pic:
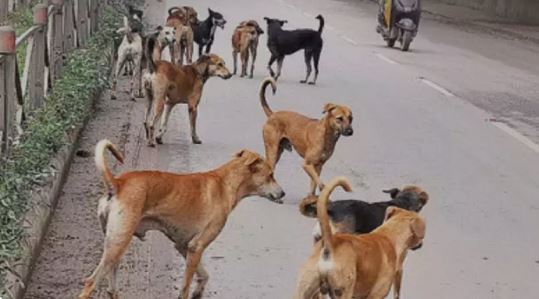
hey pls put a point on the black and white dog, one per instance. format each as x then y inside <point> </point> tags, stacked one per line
<point>204,31</point>
<point>286,42</point>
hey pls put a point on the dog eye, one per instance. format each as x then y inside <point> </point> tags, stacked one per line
<point>340,118</point>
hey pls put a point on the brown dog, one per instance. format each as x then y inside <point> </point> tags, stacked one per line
<point>313,139</point>
<point>359,266</point>
<point>182,19</point>
<point>245,42</point>
<point>190,209</point>
<point>167,85</point>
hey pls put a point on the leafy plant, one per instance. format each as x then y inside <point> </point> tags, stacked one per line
<point>69,104</point>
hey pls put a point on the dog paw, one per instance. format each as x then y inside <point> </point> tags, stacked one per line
<point>312,83</point>
<point>159,140</point>
<point>113,97</point>
<point>303,81</point>
<point>197,140</point>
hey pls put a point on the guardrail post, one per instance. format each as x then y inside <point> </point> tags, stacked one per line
<point>94,16</point>
<point>8,49</point>
<point>69,26</point>
<point>4,9</point>
<point>82,21</point>
<point>36,80</point>
<point>57,47</point>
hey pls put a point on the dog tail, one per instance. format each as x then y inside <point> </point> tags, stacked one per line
<point>322,22</point>
<point>101,162</point>
<point>307,207</point>
<point>148,51</point>
<point>262,93</point>
<point>173,9</point>
<point>322,210</point>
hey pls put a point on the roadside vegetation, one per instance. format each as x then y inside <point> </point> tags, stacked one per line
<point>67,107</point>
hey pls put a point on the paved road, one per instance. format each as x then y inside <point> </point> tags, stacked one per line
<point>482,239</point>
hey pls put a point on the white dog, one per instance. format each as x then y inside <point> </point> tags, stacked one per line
<point>130,54</point>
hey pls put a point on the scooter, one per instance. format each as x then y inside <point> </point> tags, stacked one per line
<point>399,20</point>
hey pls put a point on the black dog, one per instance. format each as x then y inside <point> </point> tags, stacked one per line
<point>285,42</point>
<point>359,217</point>
<point>204,32</point>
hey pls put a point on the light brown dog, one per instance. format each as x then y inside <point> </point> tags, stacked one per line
<point>313,139</point>
<point>245,42</point>
<point>190,209</point>
<point>182,19</point>
<point>359,266</point>
<point>167,85</point>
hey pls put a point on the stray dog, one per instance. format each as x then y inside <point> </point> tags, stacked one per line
<point>360,217</point>
<point>183,19</point>
<point>130,54</point>
<point>168,84</point>
<point>157,41</point>
<point>245,42</point>
<point>205,31</point>
<point>190,209</point>
<point>359,266</point>
<point>313,139</point>
<point>286,42</point>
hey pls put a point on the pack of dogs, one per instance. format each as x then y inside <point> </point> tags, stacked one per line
<point>359,247</point>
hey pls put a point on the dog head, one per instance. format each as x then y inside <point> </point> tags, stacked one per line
<point>253,24</point>
<point>275,22</point>
<point>217,18</point>
<point>340,118</point>
<point>212,65</point>
<point>411,221</point>
<point>166,35</point>
<point>191,15</point>
<point>411,198</point>
<point>259,180</point>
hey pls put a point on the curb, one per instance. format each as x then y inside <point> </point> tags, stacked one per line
<point>42,204</point>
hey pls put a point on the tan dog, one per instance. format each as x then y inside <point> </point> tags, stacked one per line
<point>245,42</point>
<point>313,139</point>
<point>182,19</point>
<point>359,266</point>
<point>167,85</point>
<point>190,209</point>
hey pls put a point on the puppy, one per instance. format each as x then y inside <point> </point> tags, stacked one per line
<point>130,54</point>
<point>205,31</point>
<point>359,266</point>
<point>167,85</point>
<point>245,42</point>
<point>359,217</point>
<point>313,139</point>
<point>190,209</point>
<point>182,19</point>
<point>286,42</point>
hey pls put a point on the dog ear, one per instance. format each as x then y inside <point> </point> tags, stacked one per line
<point>424,197</point>
<point>266,19</point>
<point>251,158</point>
<point>282,22</point>
<point>210,11</point>
<point>390,212</point>
<point>159,28</point>
<point>392,192</point>
<point>328,107</point>
<point>419,228</point>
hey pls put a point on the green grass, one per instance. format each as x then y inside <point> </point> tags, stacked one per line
<point>70,103</point>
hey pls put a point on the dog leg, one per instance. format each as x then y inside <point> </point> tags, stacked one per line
<point>313,172</point>
<point>279,67</point>
<point>270,63</point>
<point>253,55</point>
<point>244,61</point>
<point>308,57</point>
<point>119,65</point>
<point>112,289</point>
<point>235,59</point>
<point>182,53</point>
<point>200,50</point>
<point>189,54</point>
<point>397,285</point>
<point>148,110</point>
<point>308,285</point>
<point>164,124</point>
<point>159,105</point>
<point>316,59</point>
<point>193,119</point>
<point>172,50</point>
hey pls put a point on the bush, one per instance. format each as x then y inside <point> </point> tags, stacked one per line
<point>67,107</point>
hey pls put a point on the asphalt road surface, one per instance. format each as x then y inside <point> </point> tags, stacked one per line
<point>458,115</point>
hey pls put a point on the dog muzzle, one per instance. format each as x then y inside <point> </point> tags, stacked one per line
<point>348,132</point>
<point>418,246</point>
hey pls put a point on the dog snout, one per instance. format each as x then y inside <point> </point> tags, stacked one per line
<point>418,246</point>
<point>348,131</point>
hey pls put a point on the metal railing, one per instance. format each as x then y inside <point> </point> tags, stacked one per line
<point>59,26</point>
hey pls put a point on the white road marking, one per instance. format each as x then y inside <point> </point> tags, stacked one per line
<point>385,58</point>
<point>436,87</point>
<point>349,40</point>
<point>307,14</point>
<point>517,135</point>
